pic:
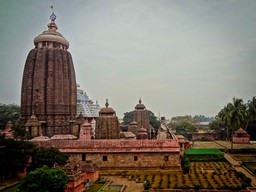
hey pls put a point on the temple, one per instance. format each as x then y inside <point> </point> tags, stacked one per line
<point>86,106</point>
<point>140,118</point>
<point>49,84</point>
<point>107,124</point>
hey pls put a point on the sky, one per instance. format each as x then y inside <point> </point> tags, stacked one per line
<point>181,57</point>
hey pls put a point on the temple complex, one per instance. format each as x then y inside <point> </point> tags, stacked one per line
<point>59,114</point>
<point>49,84</point>
<point>107,124</point>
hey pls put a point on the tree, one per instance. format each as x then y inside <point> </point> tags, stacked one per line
<point>202,118</point>
<point>234,115</point>
<point>185,128</point>
<point>14,155</point>
<point>127,119</point>
<point>251,110</point>
<point>237,113</point>
<point>8,112</point>
<point>48,156</point>
<point>224,116</point>
<point>218,127</point>
<point>44,179</point>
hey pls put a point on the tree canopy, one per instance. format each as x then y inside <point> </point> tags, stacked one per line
<point>14,155</point>
<point>185,128</point>
<point>48,156</point>
<point>237,114</point>
<point>44,179</point>
<point>8,112</point>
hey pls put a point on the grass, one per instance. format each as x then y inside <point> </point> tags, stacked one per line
<point>251,166</point>
<point>97,186</point>
<point>246,158</point>
<point>203,151</point>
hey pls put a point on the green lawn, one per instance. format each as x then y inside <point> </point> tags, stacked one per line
<point>203,151</point>
<point>96,187</point>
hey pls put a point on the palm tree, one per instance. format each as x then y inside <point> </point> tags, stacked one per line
<point>251,111</point>
<point>224,116</point>
<point>237,116</point>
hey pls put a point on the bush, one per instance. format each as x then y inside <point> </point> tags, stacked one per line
<point>185,163</point>
<point>146,185</point>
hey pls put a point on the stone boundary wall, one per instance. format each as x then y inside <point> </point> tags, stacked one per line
<point>111,145</point>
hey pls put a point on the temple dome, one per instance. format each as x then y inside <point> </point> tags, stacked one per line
<point>140,106</point>
<point>107,111</point>
<point>51,35</point>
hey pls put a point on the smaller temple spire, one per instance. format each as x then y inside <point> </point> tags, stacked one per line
<point>140,101</point>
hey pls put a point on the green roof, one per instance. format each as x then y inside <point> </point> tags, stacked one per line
<point>206,151</point>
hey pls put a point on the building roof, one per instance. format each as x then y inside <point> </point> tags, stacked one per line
<point>32,122</point>
<point>113,145</point>
<point>127,134</point>
<point>61,137</point>
<point>241,133</point>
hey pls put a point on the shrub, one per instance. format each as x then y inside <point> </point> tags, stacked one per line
<point>146,185</point>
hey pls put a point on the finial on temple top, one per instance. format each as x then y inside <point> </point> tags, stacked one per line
<point>53,16</point>
<point>106,103</point>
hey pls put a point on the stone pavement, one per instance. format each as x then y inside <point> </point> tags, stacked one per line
<point>131,186</point>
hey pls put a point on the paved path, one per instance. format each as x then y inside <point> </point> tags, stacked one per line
<point>240,168</point>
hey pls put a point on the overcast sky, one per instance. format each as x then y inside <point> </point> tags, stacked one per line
<point>182,57</point>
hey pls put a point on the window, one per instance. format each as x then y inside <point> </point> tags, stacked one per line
<point>166,158</point>
<point>83,157</point>
<point>105,158</point>
<point>135,158</point>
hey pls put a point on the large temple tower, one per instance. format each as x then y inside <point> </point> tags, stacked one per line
<point>49,83</point>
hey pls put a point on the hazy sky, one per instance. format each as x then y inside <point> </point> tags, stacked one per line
<point>182,57</point>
